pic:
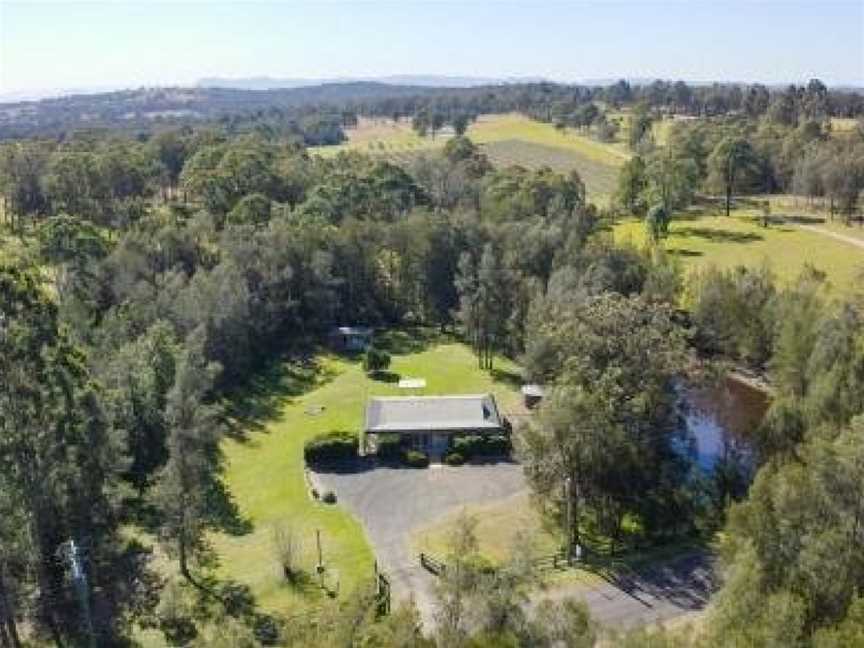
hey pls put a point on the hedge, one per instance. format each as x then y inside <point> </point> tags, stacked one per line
<point>481,446</point>
<point>416,459</point>
<point>333,446</point>
<point>389,447</point>
<point>454,459</point>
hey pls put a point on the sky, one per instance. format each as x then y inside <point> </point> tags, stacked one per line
<point>77,45</point>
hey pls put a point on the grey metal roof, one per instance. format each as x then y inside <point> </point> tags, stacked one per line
<point>463,413</point>
<point>534,390</point>
<point>352,330</point>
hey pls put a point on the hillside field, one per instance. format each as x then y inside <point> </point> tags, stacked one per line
<point>507,139</point>
<point>699,239</point>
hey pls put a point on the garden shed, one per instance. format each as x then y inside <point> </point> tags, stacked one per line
<point>351,338</point>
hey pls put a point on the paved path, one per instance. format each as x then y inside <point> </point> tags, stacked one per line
<point>391,503</point>
<point>678,587</point>
<point>859,243</point>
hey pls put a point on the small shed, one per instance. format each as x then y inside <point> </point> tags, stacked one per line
<point>532,395</point>
<point>351,338</point>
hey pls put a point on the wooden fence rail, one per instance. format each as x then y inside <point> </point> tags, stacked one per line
<point>432,564</point>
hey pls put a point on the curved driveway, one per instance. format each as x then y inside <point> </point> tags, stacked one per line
<point>393,502</point>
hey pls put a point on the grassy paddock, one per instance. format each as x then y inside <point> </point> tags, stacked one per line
<point>699,238</point>
<point>599,178</point>
<point>264,458</point>
<point>508,139</point>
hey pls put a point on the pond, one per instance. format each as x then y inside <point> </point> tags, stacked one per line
<point>721,421</point>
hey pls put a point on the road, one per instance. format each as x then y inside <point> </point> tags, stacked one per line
<point>835,235</point>
<point>661,593</point>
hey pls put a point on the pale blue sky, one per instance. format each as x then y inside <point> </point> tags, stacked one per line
<point>74,44</point>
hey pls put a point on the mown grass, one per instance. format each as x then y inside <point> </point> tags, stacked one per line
<point>498,525</point>
<point>265,469</point>
<point>700,238</point>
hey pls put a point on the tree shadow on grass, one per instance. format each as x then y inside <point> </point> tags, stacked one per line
<point>224,513</point>
<point>681,252</point>
<point>718,235</point>
<point>403,341</point>
<point>260,400</point>
<point>385,376</point>
<point>509,378</point>
<point>803,220</point>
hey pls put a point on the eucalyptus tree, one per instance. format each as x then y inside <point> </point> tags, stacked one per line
<point>730,161</point>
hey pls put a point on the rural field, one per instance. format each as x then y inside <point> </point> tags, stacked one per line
<point>285,408</point>
<point>700,238</point>
<point>507,139</point>
<point>599,178</point>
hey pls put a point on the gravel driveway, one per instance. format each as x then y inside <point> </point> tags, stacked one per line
<point>660,593</point>
<point>392,502</point>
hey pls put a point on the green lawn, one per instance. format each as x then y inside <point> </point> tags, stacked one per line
<point>264,467</point>
<point>498,523</point>
<point>699,239</point>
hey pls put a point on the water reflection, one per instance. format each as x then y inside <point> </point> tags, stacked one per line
<point>721,420</point>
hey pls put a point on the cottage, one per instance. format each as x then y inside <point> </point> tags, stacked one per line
<point>351,338</point>
<point>429,422</point>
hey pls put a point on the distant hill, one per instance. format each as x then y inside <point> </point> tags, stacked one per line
<point>415,80</point>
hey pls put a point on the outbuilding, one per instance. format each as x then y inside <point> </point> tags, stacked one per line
<point>532,394</point>
<point>351,338</point>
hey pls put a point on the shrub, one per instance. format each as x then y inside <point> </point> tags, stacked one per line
<point>329,497</point>
<point>287,549</point>
<point>454,459</point>
<point>389,447</point>
<point>416,459</point>
<point>481,446</point>
<point>333,446</point>
<point>375,360</point>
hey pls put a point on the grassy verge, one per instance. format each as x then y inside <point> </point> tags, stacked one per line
<point>700,238</point>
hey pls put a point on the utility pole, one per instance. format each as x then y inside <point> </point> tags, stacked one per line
<point>568,504</point>
<point>71,552</point>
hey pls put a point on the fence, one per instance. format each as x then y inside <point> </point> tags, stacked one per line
<point>551,562</point>
<point>432,565</point>
<point>383,595</point>
<point>548,562</point>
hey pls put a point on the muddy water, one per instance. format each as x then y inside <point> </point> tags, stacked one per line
<point>722,419</point>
